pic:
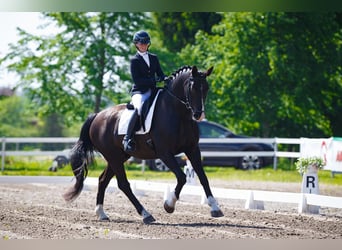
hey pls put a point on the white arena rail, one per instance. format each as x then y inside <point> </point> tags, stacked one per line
<point>274,141</point>
<point>253,199</point>
<point>33,140</point>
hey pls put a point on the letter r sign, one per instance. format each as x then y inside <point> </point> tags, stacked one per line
<point>310,183</point>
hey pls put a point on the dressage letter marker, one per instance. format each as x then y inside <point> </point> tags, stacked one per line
<point>310,186</point>
<point>310,183</point>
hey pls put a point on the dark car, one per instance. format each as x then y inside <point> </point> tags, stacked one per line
<point>213,130</point>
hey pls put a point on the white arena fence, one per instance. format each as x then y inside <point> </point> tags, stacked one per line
<point>70,140</point>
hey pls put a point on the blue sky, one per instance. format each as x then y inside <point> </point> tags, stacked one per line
<point>9,21</point>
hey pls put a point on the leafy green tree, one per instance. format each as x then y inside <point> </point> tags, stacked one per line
<point>177,29</point>
<point>16,120</point>
<point>275,74</point>
<point>81,68</point>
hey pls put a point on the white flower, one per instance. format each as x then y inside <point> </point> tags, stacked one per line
<point>302,164</point>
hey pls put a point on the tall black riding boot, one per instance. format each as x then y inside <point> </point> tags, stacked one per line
<point>128,141</point>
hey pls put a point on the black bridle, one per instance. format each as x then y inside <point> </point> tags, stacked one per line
<point>187,101</point>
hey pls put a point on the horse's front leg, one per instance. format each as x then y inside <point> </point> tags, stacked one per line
<point>196,162</point>
<point>170,202</point>
<point>104,180</point>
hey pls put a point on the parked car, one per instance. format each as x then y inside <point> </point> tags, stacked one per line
<point>213,130</point>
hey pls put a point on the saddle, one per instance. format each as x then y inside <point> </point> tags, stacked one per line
<point>143,124</point>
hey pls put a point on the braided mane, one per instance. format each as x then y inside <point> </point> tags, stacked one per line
<point>181,70</point>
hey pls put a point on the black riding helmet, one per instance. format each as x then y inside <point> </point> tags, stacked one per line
<point>141,37</point>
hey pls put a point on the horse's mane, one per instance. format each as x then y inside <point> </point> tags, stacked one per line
<point>180,71</point>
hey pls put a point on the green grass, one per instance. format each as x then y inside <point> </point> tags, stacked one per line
<point>285,172</point>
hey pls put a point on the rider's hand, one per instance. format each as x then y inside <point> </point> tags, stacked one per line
<point>159,79</point>
<point>167,80</point>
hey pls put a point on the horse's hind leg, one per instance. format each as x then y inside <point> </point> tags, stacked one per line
<point>104,180</point>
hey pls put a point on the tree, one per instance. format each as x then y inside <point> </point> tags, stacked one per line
<point>276,74</point>
<point>80,69</point>
<point>16,120</point>
<point>177,29</point>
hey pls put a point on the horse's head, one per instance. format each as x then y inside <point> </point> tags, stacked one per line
<point>190,87</point>
<point>197,92</point>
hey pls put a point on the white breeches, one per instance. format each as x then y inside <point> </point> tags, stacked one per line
<point>138,100</point>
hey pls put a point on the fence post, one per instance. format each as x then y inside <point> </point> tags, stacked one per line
<point>3,148</point>
<point>275,145</point>
<point>143,165</point>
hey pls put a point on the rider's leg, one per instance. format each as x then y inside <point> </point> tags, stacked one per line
<point>128,140</point>
<point>137,101</point>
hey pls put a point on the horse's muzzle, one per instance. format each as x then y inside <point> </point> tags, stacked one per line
<point>199,115</point>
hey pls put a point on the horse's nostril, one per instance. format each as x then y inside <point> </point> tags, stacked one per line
<point>197,115</point>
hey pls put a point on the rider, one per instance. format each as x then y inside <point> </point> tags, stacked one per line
<point>145,72</point>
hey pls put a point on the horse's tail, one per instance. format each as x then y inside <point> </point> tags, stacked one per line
<point>81,155</point>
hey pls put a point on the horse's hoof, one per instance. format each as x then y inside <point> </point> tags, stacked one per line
<point>149,219</point>
<point>168,209</point>
<point>216,213</point>
<point>104,219</point>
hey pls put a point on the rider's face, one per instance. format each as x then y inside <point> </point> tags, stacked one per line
<point>142,47</point>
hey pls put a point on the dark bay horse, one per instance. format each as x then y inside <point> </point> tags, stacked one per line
<point>174,130</point>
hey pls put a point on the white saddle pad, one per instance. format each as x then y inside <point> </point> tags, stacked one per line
<point>126,115</point>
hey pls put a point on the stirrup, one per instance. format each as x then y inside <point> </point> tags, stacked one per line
<point>129,145</point>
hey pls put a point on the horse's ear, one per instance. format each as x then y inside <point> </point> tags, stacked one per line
<point>209,71</point>
<point>194,70</point>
